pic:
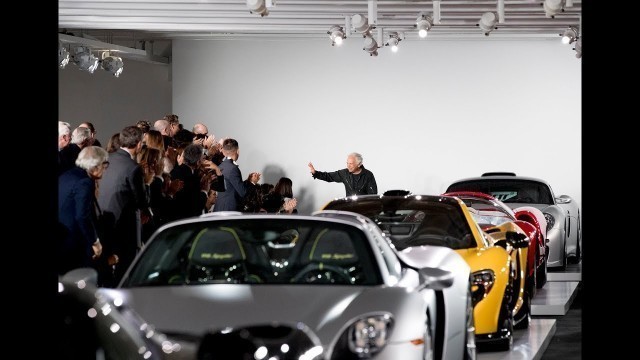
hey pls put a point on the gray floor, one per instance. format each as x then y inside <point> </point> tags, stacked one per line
<point>566,343</point>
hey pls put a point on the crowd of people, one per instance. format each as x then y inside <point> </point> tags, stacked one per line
<point>112,199</point>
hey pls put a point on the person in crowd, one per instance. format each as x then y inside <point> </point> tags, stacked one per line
<point>231,199</point>
<point>174,122</point>
<point>281,195</point>
<point>266,188</point>
<point>77,212</point>
<point>154,140</point>
<point>356,179</point>
<point>114,143</point>
<point>80,138</point>
<point>191,199</point>
<point>163,126</point>
<point>94,140</point>
<point>150,159</point>
<point>123,200</point>
<point>211,200</point>
<point>144,125</point>
<point>64,138</point>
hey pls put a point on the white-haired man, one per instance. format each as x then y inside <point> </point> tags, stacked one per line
<point>356,179</point>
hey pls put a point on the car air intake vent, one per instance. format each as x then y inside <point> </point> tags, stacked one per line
<point>499,174</point>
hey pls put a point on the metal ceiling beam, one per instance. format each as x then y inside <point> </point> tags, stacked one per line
<point>122,51</point>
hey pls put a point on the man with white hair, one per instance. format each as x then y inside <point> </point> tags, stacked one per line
<point>80,138</point>
<point>356,179</point>
<point>64,134</point>
<point>166,130</point>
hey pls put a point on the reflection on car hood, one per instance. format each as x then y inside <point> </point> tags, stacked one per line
<point>540,207</point>
<point>325,309</point>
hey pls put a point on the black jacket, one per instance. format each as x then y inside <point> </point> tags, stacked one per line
<point>366,184</point>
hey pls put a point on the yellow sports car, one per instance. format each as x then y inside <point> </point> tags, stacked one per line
<point>419,220</point>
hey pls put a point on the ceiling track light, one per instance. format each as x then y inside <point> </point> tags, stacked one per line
<point>63,55</point>
<point>423,24</point>
<point>488,22</point>
<point>578,48</point>
<point>85,60</point>
<point>394,39</point>
<point>112,64</point>
<point>570,35</point>
<point>370,45</point>
<point>260,7</point>
<point>361,23</point>
<point>336,34</point>
<point>553,7</point>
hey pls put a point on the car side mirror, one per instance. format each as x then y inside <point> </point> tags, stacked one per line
<point>434,278</point>
<point>517,240</point>
<point>564,199</point>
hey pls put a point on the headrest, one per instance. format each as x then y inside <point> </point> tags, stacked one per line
<point>216,247</point>
<point>333,247</point>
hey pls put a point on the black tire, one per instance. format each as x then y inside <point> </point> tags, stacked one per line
<point>523,318</point>
<point>575,259</point>
<point>429,341</point>
<point>506,321</point>
<point>470,352</point>
<point>541,274</point>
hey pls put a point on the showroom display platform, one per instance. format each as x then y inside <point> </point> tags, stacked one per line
<point>528,344</point>
<point>554,298</point>
<point>573,272</point>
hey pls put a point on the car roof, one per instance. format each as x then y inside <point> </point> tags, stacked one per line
<point>500,177</point>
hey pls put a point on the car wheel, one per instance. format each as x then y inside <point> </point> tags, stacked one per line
<point>523,318</point>
<point>506,322</point>
<point>470,334</point>
<point>541,274</point>
<point>429,341</point>
<point>578,256</point>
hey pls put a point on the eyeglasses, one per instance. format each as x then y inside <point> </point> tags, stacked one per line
<point>105,164</point>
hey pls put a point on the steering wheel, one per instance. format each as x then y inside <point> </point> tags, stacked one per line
<point>433,230</point>
<point>316,273</point>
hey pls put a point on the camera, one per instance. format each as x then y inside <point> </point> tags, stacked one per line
<point>200,136</point>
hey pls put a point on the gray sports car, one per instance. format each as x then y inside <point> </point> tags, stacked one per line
<point>564,231</point>
<point>336,272</point>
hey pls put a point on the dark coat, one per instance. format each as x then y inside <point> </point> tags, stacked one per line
<point>366,184</point>
<point>235,189</point>
<point>190,201</point>
<point>77,218</point>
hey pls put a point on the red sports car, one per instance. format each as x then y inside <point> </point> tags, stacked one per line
<point>491,211</point>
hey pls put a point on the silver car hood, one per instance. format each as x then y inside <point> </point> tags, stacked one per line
<point>326,309</point>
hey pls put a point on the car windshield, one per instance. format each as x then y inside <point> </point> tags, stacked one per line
<point>508,190</point>
<point>256,251</point>
<point>411,222</point>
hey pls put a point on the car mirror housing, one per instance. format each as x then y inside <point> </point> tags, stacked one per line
<point>434,278</point>
<point>517,240</point>
<point>563,199</point>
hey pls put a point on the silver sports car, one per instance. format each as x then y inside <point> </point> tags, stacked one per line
<point>564,231</point>
<point>336,272</point>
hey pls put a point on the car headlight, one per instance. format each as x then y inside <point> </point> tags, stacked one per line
<point>481,283</point>
<point>550,221</point>
<point>369,335</point>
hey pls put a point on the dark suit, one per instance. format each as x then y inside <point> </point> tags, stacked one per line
<point>190,201</point>
<point>77,217</point>
<point>235,189</point>
<point>67,157</point>
<point>121,196</point>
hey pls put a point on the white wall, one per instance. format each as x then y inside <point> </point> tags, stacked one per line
<point>142,92</point>
<point>434,112</point>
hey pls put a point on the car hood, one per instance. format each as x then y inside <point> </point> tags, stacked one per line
<point>540,207</point>
<point>326,309</point>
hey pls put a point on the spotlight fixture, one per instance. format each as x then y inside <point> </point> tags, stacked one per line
<point>258,7</point>
<point>424,24</point>
<point>488,22</point>
<point>112,64</point>
<point>336,34</point>
<point>63,55</point>
<point>553,7</point>
<point>578,48</point>
<point>394,39</point>
<point>85,60</point>
<point>570,35</point>
<point>370,45</point>
<point>360,23</point>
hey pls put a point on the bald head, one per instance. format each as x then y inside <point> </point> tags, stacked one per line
<point>162,125</point>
